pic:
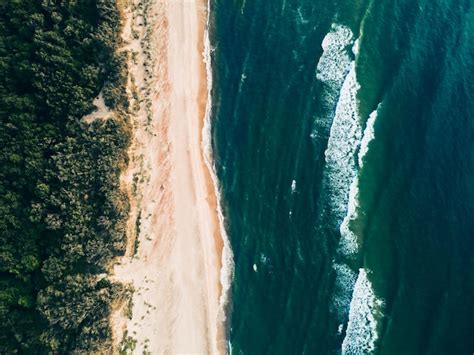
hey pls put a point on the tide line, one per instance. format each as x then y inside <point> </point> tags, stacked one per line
<point>227,262</point>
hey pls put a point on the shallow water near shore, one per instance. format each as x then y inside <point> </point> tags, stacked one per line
<point>342,136</point>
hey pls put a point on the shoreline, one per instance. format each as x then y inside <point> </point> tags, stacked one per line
<point>226,254</point>
<point>177,250</point>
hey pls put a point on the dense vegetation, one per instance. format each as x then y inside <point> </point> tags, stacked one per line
<point>62,214</point>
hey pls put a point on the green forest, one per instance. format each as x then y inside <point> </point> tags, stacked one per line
<point>62,213</point>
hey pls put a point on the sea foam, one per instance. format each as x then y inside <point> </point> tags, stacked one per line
<point>343,185</point>
<point>344,140</point>
<point>227,269</point>
<point>344,284</point>
<point>348,244</point>
<point>365,309</point>
<point>335,60</point>
<point>331,70</point>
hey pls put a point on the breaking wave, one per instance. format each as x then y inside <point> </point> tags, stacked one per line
<point>332,68</point>
<point>344,140</point>
<point>336,70</point>
<point>369,135</point>
<point>365,309</point>
<point>353,301</point>
<point>348,244</point>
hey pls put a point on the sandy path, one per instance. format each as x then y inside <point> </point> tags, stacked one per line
<point>175,264</point>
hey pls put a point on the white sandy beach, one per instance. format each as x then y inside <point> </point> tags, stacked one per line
<point>175,245</point>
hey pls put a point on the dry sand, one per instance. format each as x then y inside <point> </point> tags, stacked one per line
<point>174,254</point>
<point>101,112</point>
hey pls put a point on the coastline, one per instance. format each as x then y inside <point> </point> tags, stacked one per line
<point>176,238</point>
<point>226,254</point>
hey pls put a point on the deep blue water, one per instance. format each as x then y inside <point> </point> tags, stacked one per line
<point>297,156</point>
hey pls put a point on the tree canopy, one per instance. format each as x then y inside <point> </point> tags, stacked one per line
<point>62,214</point>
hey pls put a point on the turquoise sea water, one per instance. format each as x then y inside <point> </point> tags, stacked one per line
<point>343,135</point>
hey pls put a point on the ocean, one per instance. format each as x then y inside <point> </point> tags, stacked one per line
<point>343,140</point>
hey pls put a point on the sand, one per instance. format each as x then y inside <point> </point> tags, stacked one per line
<point>175,247</point>
<point>101,112</point>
